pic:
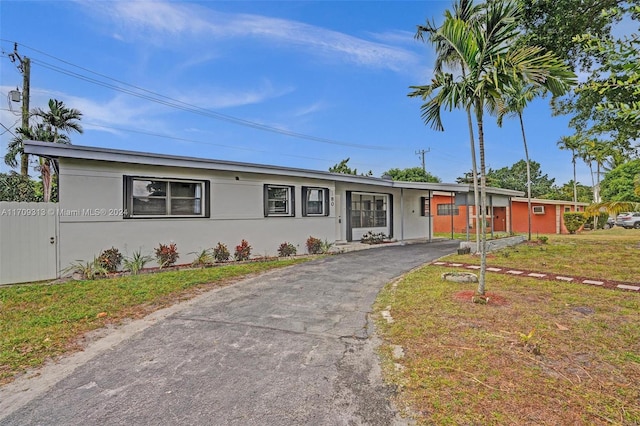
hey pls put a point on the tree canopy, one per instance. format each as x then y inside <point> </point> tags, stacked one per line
<point>622,183</point>
<point>15,187</point>
<point>607,104</point>
<point>343,167</point>
<point>515,177</point>
<point>553,24</point>
<point>411,174</point>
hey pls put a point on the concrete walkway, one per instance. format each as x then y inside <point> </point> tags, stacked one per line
<point>290,347</point>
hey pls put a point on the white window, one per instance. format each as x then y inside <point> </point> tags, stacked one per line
<point>160,197</point>
<point>368,210</point>
<point>448,210</point>
<point>315,201</point>
<point>279,200</point>
<point>538,209</point>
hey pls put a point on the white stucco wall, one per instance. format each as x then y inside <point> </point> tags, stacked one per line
<point>237,212</point>
<point>414,226</point>
<point>91,203</point>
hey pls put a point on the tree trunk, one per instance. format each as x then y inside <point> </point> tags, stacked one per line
<point>575,184</point>
<point>45,172</point>
<point>526,156</point>
<point>483,203</point>
<point>24,164</point>
<point>474,168</point>
<point>474,173</point>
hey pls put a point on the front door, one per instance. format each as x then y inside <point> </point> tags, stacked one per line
<point>500,219</point>
<point>368,212</point>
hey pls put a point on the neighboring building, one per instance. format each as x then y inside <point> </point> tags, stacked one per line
<point>452,213</point>
<point>547,215</point>
<point>136,200</point>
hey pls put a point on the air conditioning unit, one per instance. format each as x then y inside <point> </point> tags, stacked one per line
<point>538,209</point>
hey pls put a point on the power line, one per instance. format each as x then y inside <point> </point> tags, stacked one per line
<point>177,138</point>
<point>177,104</point>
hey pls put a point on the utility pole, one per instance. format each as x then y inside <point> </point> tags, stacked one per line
<point>25,68</point>
<point>421,153</point>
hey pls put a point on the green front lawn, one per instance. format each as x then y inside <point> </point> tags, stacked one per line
<point>539,353</point>
<point>40,321</point>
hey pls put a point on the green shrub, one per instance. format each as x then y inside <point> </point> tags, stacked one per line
<point>543,239</point>
<point>203,258</point>
<point>602,220</point>
<point>136,262</point>
<point>573,221</point>
<point>221,253</point>
<point>286,249</point>
<point>326,246</point>
<point>88,270</point>
<point>167,254</point>
<point>110,259</point>
<point>243,251</point>
<point>314,245</point>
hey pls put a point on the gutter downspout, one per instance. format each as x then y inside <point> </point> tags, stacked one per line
<point>453,202</point>
<point>430,218</point>
<point>402,216</point>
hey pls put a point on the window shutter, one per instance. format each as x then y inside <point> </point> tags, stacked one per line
<point>265,197</point>
<point>207,198</point>
<point>305,189</point>
<point>390,211</point>
<point>293,200</point>
<point>326,202</point>
<point>127,188</point>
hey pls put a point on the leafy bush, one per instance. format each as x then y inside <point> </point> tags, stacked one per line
<point>286,249</point>
<point>221,253</point>
<point>314,245</point>
<point>110,259</point>
<point>573,221</point>
<point>326,246</point>
<point>88,270</point>
<point>543,239</point>
<point>243,251</point>
<point>602,220</point>
<point>373,238</point>
<point>136,262</point>
<point>167,254</point>
<point>202,259</point>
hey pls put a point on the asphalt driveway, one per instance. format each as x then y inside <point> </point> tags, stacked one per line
<point>290,347</point>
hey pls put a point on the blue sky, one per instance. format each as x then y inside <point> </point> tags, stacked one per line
<point>335,72</point>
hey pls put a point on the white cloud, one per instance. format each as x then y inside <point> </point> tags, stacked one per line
<point>309,109</point>
<point>220,97</point>
<point>165,22</point>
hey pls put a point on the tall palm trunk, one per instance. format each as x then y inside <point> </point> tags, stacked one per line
<point>45,171</point>
<point>483,202</point>
<point>575,184</point>
<point>474,168</point>
<point>474,173</point>
<point>526,156</point>
<point>24,164</point>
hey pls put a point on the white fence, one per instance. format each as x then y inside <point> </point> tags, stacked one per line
<point>28,242</point>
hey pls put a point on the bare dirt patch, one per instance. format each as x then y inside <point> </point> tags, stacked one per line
<point>494,298</point>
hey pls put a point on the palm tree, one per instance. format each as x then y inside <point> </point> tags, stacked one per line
<point>599,152</point>
<point>463,10</point>
<point>58,119</point>
<point>572,143</point>
<point>15,147</point>
<point>486,48</point>
<point>516,99</point>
